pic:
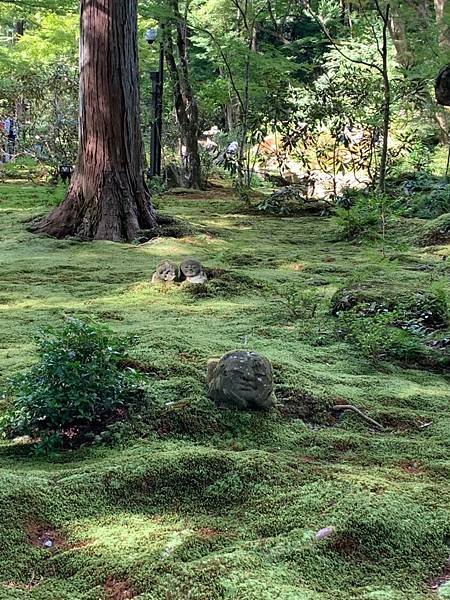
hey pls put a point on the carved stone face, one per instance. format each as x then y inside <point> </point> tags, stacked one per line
<point>191,268</point>
<point>165,271</point>
<point>242,380</point>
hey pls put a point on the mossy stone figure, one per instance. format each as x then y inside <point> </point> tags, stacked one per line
<point>241,380</point>
<point>192,271</point>
<point>165,272</point>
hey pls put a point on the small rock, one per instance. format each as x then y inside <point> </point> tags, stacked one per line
<point>322,534</point>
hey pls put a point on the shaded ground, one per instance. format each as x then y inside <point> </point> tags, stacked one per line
<point>189,511</point>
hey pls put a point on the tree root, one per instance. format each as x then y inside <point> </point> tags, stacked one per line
<point>358,412</point>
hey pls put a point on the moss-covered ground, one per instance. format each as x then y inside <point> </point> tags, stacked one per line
<point>211,505</point>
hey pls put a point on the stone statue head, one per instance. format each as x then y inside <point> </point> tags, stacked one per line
<point>190,268</point>
<point>165,271</point>
<point>241,380</point>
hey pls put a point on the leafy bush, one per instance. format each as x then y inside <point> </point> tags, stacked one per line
<point>378,337</point>
<point>77,385</point>
<point>425,310</point>
<point>356,218</point>
<point>419,312</point>
<point>373,301</point>
<point>431,205</point>
<point>282,202</point>
<point>157,186</point>
<point>300,303</point>
<point>420,157</point>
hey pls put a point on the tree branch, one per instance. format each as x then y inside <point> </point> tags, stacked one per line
<point>359,412</point>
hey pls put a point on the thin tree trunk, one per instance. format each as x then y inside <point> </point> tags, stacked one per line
<point>399,38</point>
<point>184,98</point>
<point>442,11</point>
<point>386,97</point>
<point>108,198</point>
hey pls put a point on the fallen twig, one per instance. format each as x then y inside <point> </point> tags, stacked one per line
<point>358,412</point>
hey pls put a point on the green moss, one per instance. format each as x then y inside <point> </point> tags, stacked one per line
<point>186,500</point>
<point>436,231</point>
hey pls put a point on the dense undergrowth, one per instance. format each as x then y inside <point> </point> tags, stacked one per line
<point>186,501</point>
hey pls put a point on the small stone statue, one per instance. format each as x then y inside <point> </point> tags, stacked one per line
<point>192,271</point>
<point>241,380</point>
<point>165,272</point>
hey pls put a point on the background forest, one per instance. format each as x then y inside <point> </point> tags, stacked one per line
<point>333,95</point>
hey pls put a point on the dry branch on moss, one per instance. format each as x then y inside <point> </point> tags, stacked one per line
<point>359,412</point>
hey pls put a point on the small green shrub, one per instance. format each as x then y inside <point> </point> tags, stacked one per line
<point>157,186</point>
<point>420,157</point>
<point>282,202</point>
<point>77,385</point>
<point>356,218</point>
<point>299,303</point>
<point>346,298</point>
<point>430,205</point>
<point>378,337</point>
<point>420,312</point>
<point>425,310</point>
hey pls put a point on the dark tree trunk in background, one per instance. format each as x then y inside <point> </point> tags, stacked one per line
<point>20,28</point>
<point>183,95</point>
<point>441,9</point>
<point>108,198</point>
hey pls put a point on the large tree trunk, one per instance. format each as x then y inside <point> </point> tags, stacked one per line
<point>108,198</point>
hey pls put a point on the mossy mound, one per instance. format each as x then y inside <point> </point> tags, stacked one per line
<point>436,232</point>
<point>299,404</point>
<point>346,299</point>
<point>169,227</point>
<point>428,309</point>
<point>222,284</point>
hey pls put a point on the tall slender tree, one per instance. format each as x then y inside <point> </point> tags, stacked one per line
<point>108,198</point>
<point>176,35</point>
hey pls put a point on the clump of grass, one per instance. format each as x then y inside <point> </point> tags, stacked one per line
<point>167,227</point>
<point>222,284</point>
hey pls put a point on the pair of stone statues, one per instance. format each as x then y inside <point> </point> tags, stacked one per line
<point>241,380</point>
<point>190,270</point>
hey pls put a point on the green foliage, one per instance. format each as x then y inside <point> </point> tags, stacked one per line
<point>431,205</point>
<point>300,303</point>
<point>157,187</point>
<point>77,384</point>
<point>377,336</point>
<point>282,202</point>
<point>425,310</point>
<point>437,231</point>
<point>358,218</point>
